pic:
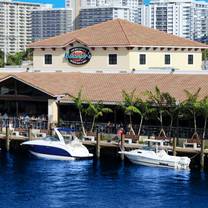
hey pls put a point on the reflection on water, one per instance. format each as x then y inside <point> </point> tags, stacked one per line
<point>27,182</point>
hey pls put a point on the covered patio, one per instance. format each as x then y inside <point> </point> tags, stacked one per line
<point>43,95</point>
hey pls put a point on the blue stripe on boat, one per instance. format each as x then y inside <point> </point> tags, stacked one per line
<point>48,150</point>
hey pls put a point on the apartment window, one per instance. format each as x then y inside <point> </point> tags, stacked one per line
<point>112,59</point>
<point>167,59</point>
<point>48,59</point>
<point>142,59</point>
<point>190,59</point>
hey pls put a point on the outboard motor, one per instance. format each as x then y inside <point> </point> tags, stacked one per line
<point>184,162</point>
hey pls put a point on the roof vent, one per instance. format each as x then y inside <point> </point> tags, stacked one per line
<point>99,71</point>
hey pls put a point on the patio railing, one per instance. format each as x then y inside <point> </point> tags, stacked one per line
<point>179,132</point>
<point>21,123</point>
<point>108,128</point>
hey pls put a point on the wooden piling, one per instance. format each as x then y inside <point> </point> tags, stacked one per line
<point>51,128</point>
<point>98,145</point>
<point>122,145</point>
<point>174,146</point>
<point>7,139</point>
<point>30,133</point>
<point>202,154</point>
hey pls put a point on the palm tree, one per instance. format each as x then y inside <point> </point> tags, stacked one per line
<point>1,58</point>
<point>144,110</point>
<point>96,110</point>
<point>78,101</point>
<point>158,100</point>
<point>204,110</point>
<point>192,106</point>
<point>129,106</point>
<point>172,108</point>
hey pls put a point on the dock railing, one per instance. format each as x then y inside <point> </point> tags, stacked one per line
<point>105,128</point>
<point>23,124</point>
<point>147,130</point>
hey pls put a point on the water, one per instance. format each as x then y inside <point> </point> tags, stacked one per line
<point>30,183</point>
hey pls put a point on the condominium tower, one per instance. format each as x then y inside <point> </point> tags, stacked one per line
<point>94,15</point>
<point>95,11</point>
<point>75,5</point>
<point>51,22</point>
<point>185,18</point>
<point>15,25</point>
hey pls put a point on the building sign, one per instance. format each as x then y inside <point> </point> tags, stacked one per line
<point>78,55</point>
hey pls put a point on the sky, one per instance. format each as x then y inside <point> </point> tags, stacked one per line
<point>56,3</point>
<point>59,3</point>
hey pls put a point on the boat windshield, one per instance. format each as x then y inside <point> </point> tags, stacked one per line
<point>51,138</point>
<point>67,134</point>
<point>69,138</point>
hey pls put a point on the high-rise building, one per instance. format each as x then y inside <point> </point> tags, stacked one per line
<point>91,16</point>
<point>200,19</point>
<point>185,18</point>
<point>51,22</point>
<point>15,25</point>
<point>75,5</point>
<point>95,11</point>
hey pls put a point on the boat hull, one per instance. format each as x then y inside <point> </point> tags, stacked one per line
<point>150,160</point>
<point>53,153</point>
<point>50,157</point>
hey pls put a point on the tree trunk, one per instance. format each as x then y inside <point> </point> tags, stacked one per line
<point>194,122</point>
<point>205,126</point>
<point>161,120</point>
<point>161,125</point>
<point>93,123</point>
<point>140,125</point>
<point>82,124</point>
<point>131,128</point>
<point>171,125</point>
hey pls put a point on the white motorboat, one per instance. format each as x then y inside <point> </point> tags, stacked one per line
<point>156,157</point>
<point>57,147</point>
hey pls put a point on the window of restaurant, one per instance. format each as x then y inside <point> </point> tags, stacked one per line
<point>167,59</point>
<point>112,59</point>
<point>190,59</point>
<point>142,59</point>
<point>48,59</point>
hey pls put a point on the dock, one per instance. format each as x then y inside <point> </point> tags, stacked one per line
<point>105,144</point>
<point>98,147</point>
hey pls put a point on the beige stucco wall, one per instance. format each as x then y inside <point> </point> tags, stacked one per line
<point>127,59</point>
<point>99,60</point>
<point>156,59</point>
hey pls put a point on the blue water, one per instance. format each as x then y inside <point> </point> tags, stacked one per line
<point>30,183</point>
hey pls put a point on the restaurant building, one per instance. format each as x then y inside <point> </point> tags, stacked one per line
<point>115,46</point>
<point>114,56</point>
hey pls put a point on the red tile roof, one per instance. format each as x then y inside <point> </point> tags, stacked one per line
<point>118,33</point>
<point>108,87</point>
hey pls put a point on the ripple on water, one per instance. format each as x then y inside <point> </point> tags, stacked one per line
<point>27,182</point>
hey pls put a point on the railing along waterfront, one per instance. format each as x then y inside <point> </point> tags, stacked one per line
<point>107,128</point>
<point>146,130</point>
<point>24,123</point>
